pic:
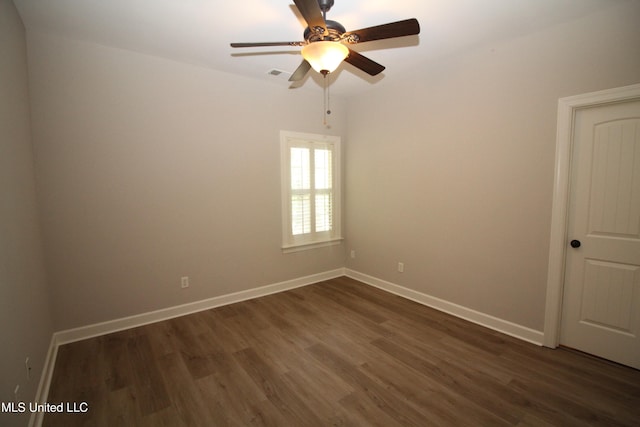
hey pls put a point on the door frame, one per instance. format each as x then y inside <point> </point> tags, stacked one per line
<point>567,108</point>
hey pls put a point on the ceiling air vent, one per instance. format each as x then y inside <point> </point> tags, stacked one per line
<point>276,72</point>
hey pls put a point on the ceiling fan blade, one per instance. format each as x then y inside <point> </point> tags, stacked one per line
<point>365,64</point>
<point>301,71</point>
<point>311,12</point>
<point>408,27</point>
<point>264,44</point>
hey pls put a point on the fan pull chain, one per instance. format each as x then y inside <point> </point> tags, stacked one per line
<point>326,97</point>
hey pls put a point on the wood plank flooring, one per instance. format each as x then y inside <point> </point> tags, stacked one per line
<point>337,353</point>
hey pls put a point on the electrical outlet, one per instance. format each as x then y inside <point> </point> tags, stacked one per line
<point>353,253</point>
<point>184,282</point>
<point>401,267</point>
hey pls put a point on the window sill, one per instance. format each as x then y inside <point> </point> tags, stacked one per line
<point>311,245</point>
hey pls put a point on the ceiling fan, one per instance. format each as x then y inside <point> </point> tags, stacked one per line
<point>325,42</point>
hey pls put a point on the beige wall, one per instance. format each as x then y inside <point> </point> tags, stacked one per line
<point>454,175</point>
<point>25,323</point>
<point>151,170</point>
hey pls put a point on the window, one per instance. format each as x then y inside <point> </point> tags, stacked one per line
<point>310,190</point>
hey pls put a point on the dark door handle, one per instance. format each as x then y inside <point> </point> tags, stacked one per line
<point>575,243</point>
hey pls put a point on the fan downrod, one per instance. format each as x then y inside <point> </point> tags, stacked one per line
<point>325,5</point>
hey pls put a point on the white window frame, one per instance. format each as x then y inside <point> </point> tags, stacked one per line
<point>291,242</point>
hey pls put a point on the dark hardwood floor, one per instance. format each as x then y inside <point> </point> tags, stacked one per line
<point>334,353</point>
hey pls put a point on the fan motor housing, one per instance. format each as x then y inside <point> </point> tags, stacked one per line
<point>334,28</point>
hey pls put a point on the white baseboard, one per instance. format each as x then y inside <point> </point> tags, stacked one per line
<point>500,325</point>
<point>45,381</point>
<point>97,329</point>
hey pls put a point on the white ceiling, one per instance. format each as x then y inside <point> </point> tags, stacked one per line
<point>199,31</point>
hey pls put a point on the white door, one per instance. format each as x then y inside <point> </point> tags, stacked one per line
<point>601,301</point>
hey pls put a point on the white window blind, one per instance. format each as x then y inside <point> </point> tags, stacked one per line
<point>310,189</point>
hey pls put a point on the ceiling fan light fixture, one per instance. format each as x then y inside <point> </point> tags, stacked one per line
<point>325,56</point>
